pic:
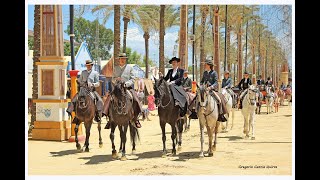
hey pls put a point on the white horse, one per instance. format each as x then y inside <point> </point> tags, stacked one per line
<point>248,111</point>
<point>229,108</point>
<point>208,116</point>
<point>270,99</point>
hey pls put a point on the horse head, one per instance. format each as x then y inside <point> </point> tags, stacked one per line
<point>82,95</point>
<point>119,90</point>
<point>161,88</point>
<point>202,95</point>
<point>253,95</point>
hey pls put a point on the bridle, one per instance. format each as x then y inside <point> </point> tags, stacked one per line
<point>162,94</point>
<point>84,92</point>
<point>120,106</point>
<point>251,101</point>
<point>206,104</point>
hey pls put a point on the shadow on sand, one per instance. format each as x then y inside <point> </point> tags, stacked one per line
<point>232,138</point>
<point>64,153</point>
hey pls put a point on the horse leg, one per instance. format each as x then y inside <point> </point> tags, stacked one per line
<point>189,119</point>
<point>214,147</point>
<point>124,140</point>
<point>99,130</point>
<point>120,148</point>
<point>163,129</point>
<point>252,126</point>
<point>246,126</point>
<point>76,135</point>
<point>114,151</point>
<point>232,116</point>
<point>133,139</point>
<point>173,138</point>
<point>210,137</point>
<point>179,129</point>
<point>201,140</point>
<point>88,127</point>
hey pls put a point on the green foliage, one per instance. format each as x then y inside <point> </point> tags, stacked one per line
<point>85,30</point>
<point>67,50</point>
<point>30,43</point>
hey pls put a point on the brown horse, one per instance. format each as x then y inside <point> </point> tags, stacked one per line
<point>168,113</point>
<point>85,111</point>
<point>122,114</point>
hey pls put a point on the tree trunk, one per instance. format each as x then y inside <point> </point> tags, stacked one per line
<point>228,49</point>
<point>202,55</point>
<point>146,37</point>
<point>253,65</point>
<point>216,41</point>
<point>36,55</point>
<point>125,30</point>
<point>183,37</point>
<point>161,39</point>
<point>239,34</point>
<point>116,46</point>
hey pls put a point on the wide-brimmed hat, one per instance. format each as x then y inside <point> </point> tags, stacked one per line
<point>185,72</point>
<point>174,59</point>
<point>226,72</point>
<point>245,72</point>
<point>123,55</point>
<point>209,61</point>
<point>89,62</point>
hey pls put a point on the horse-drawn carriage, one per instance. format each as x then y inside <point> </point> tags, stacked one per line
<point>266,97</point>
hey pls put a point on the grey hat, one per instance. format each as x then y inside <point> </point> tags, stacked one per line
<point>226,72</point>
<point>89,62</point>
<point>209,62</point>
<point>185,72</point>
<point>123,55</point>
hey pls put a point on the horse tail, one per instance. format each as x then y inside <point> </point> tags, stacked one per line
<point>134,134</point>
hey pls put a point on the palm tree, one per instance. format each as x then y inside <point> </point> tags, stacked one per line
<point>116,22</point>
<point>161,39</point>
<point>204,9</point>
<point>36,55</point>
<point>169,16</point>
<point>128,15</point>
<point>146,21</point>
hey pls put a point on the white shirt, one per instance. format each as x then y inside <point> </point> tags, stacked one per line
<point>174,72</point>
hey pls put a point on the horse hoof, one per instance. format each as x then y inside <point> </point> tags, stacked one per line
<point>201,155</point>
<point>210,154</point>
<point>114,155</point>
<point>100,145</point>
<point>214,148</point>
<point>164,155</point>
<point>179,148</point>
<point>123,158</point>
<point>78,147</point>
<point>134,152</point>
<point>246,137</point>
<point>253,138</point>
<point>86,150</point>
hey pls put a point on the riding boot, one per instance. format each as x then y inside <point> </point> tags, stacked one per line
<point>108,125</point>
<point>240,104</point>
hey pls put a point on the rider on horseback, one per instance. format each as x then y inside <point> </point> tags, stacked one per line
<point>92,78</point>
<point>124,72</point>
<point>227,84</point>
<point>175,76</point>
<point>186,82</point>
<point>243,85</point>
<point>210,78</point>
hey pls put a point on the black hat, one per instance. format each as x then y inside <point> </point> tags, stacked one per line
<point>245,72</point>
<point>123,55</point>
<point>174,59</point>
<point>89,62</point>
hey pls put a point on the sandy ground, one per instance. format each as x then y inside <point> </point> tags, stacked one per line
<point>269,154</point>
